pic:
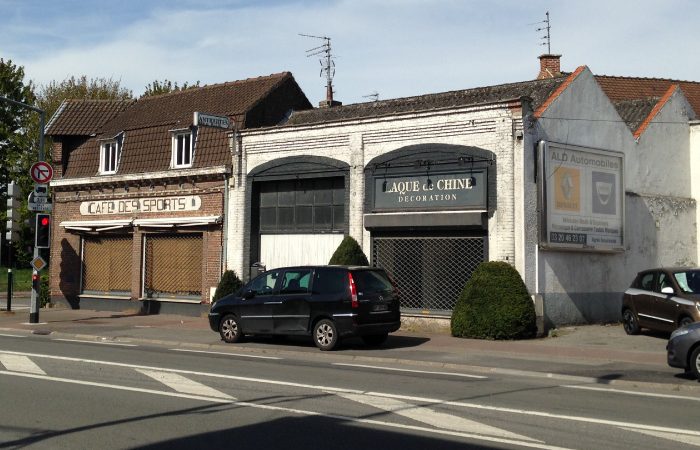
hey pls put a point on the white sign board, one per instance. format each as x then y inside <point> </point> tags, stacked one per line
<point>141,205</point>
<point>583,198</point>
<point>211,120</point>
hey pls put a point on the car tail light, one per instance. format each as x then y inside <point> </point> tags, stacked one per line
<point>353,292</point>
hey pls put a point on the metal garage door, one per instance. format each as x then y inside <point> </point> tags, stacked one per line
<point>429,271</point>
<point>107,265</point>
<point>173,266</point>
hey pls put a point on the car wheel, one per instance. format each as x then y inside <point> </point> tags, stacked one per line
<point>229,329</point>
<point>684,321</point>
<point>695,363</point>
<point>325,335</point>
<point>629,322</point>
<point>375,339</point>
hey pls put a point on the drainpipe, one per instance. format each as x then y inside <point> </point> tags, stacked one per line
<point>224,250</point>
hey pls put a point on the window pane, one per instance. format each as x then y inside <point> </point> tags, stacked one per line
<point>286,218</point>
<point>305,195</point>
<point>178,153</point>
<point>268,194</point>
<point>268,218</point>
<point>339,196</point>
<point>286,193</point>
<point>339,217</point>
<point>322,218</point>
<point>187,150</point>
<point>304,217</point>
<point>331,281</point>
<point>295,282</point>
<point>324,192</point>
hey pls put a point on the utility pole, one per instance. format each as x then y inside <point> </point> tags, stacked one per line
<point>34,306</point>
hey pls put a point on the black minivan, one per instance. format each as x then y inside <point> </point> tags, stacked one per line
<point>326,302</point>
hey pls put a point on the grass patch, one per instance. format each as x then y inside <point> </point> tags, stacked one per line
<point>22,279</point>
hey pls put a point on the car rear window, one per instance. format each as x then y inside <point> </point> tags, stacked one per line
<point>330,281</point>
<point>371,281</point>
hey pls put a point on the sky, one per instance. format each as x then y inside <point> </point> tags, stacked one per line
<point>394,48</point>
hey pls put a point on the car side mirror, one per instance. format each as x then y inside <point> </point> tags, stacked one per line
<point>249,293</point>
<point>667,290</point>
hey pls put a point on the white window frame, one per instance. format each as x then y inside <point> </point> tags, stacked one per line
<point>186,155</point>
<point>109,157</point>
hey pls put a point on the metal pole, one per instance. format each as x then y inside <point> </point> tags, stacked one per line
<point>36,280</point>
<point>10,279</point>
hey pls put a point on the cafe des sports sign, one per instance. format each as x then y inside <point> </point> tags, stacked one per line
<point>463,190</point>
<point>141,205</point>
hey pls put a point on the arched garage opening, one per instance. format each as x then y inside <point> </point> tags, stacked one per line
<point>299,210</point>
<point>427,209</point>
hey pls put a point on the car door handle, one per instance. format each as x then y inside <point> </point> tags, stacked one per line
<point>273,303</point>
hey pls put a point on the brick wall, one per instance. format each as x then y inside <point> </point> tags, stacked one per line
<point>65,249</point>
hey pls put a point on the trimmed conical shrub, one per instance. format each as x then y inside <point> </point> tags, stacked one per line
<point>494,304</point>
<point>229,284</point>
<point>349,253</point>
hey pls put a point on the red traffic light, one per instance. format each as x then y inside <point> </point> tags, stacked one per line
<point>35,277</point>
<point>44,221</point>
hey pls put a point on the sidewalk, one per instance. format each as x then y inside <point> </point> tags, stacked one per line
<point>590,353</point>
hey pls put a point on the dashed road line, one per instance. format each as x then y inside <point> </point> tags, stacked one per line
<point>19,363</point>
<point>225,353</point>
<point>453,374</point>
<point>11,335</point>
<point>433,418</point>
<point>625,392</point>
<point>182,384</point>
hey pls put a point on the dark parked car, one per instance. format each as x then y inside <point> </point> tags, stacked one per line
<point>662,299</point>
<point>684,349</point>
<point>326,302</point>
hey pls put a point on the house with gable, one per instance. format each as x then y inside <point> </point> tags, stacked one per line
<point>140,191</point>
<point>577,180</point>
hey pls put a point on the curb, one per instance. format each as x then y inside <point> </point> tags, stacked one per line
<point>325,357</point>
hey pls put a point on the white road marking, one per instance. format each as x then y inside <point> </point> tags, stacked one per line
<point>182,384</point>
<point>119,344</point>
<point>19,363</point>
<point>690,440</point>
<point>454,374</point>
<point>433,401</point>
<point>432,417</point>
<point>10,335</point>
<point>348,419</point>
<point>224,353</point>
<point>641,394</point>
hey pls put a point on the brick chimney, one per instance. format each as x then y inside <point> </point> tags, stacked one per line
<point>328,102</point>
<point>549,66</point>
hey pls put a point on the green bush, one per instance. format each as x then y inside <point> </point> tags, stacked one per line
<point>229,284</point>
<point>349,253</point>
<point>494,304</point>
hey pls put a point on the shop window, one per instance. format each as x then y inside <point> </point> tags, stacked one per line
<point>183,150</point>
<point>302,205</point>
<point>109,156</point>
<point>106,265</point>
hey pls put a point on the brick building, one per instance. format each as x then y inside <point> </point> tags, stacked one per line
<point>140,191</point>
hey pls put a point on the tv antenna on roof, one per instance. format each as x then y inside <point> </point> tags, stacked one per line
<point>374,96</point>
<point>547,34</point>
<point>327,61</point>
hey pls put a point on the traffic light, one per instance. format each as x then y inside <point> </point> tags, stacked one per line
<point>43,231</point>
<point>13,223</point>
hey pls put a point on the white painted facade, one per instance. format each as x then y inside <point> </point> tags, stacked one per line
<point>574,286</point>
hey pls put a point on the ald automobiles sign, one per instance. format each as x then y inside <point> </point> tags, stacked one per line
<point>141,205</point>
<point>431,191</point>
<point>584,198</point>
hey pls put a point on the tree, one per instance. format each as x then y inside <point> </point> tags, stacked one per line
<point>349,253</point>
<point>166,86</point>
<point>18,144</point>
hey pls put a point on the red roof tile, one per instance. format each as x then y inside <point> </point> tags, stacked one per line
<point>84,117</point>
<point>630,88</point>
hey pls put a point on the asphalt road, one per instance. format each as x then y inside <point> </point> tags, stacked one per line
<point>67,394</point>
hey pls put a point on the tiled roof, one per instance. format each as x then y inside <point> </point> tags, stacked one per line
<point>537,90</point>
<point>630,88</point>
<point>147,123</point>
<point>634,112</point>
<point>175,109</point>
<point>84,117</point>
